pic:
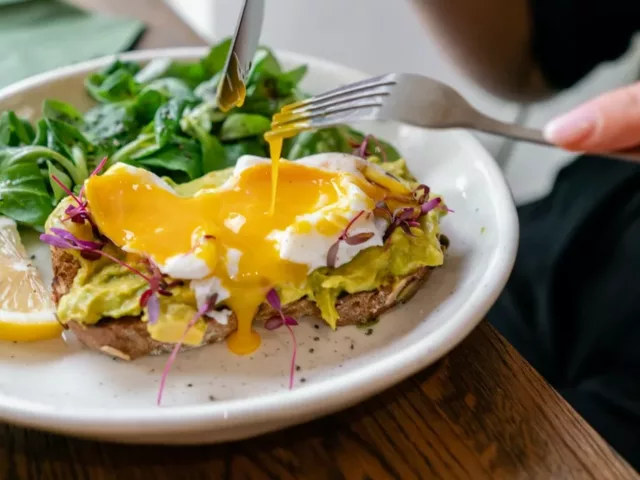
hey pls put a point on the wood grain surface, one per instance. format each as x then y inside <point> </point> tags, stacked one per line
<point>482,412</point>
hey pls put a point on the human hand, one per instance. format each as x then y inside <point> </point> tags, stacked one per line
<point>607,123</point>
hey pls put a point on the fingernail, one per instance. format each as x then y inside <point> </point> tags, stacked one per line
<point>570,128</point>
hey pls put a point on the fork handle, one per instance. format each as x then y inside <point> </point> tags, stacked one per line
<point>485,124</point>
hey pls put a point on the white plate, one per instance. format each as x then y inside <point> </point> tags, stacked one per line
<point>214,396</point>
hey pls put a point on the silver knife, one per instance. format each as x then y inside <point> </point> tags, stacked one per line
<point>231,89</point>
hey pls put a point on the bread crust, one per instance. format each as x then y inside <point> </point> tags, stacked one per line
<point>127,337</point>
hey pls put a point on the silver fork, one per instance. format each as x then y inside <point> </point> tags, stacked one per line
<point>411,99</point>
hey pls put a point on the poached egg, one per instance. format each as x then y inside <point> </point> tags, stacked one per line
<point>239,240</point>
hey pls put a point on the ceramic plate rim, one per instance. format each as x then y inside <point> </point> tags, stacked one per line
<point>345,389</point>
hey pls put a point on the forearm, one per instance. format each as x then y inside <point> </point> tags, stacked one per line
<point>490,40</point>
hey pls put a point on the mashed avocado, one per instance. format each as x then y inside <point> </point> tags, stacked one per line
<point>105,289</point>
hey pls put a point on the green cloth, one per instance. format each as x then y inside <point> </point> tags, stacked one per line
<point>40,35</point>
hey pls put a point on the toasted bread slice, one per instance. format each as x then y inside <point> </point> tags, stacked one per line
<point>127,338</point>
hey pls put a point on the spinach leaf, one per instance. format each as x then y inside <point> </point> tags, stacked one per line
<point>23,190</point>
<point>67,140</point>
<point>110,125</point>
<point>216,58</point>
<point>144,143</point>
<point>318,141</point>
<point>15,131</point>
<point>250,146</point>
<point>190,73</point>
<point>171,88</point>
<point>115,83</point>
<point>264,65</point>
<point>42,131</point>
<point>243,125</point>
<point>180,160</point>
<point>198,125</point>
<point>205,116</point>
<point>61,111</point>
<point>146,105</point>
<point>207,91</point>
<point>167,121</point>
<point>58,191</point>
<point>288,81</point>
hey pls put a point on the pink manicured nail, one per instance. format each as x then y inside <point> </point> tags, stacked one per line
<point>570,128</point>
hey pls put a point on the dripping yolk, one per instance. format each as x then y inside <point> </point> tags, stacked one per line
<point>275,138</point>
<point>141,214</point>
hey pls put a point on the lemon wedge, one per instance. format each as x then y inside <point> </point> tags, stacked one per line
<point>27,312</point>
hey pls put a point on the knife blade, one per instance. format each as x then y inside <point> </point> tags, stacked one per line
<point>231,89</point>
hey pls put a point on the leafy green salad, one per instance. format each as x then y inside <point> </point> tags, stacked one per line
<point>161,117</point>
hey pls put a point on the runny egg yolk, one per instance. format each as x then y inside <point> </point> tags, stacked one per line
<point>275,138</point>
<point>140,214</point>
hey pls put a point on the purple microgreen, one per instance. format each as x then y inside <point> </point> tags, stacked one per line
<point>90,255</point>
<point>332,254</point>
<point>66,240</point>
<point>157,286</point>
<point>359,238</point>
<point>206,307</point>
<point>79,213</point>
<point>381,210</point>
<point>360,149</point>
<point>144,298</point>
<point>93,250</point>
<point>405,214</point>
<point>153,309</point>
<point>426,207</point>
<point>274,300</point>
<point>421,193</point>
<point>276,322</point>
<point>406,228</point>
<point>66,190</point>
<point>273,323</point>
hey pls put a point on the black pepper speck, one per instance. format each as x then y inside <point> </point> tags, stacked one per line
<point>317,327</point>
<point>369,331</point>
<point>311,350</point>
<point>212,398</point>
<point>298,368</point>
<point>315,339</point>
<point>189,385</point>
<point>352,346</point>
<point>302,380</point>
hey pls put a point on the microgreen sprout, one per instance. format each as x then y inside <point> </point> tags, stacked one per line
<point>78,213</point>
<point>276,322</point>
<point>332,254</point>
<point>407,218</point>
<point>360,149</point>
<point>157,286</point>
<point>90,250</point>
<point>206,307</point>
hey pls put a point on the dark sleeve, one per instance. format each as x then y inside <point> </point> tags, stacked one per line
<point>571,37</point>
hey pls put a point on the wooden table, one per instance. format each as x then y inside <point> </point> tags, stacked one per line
<point>482,412</point>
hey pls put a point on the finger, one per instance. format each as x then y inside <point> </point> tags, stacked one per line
<point>609,122</point>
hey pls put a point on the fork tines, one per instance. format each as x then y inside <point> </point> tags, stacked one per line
<point>355,96</point>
